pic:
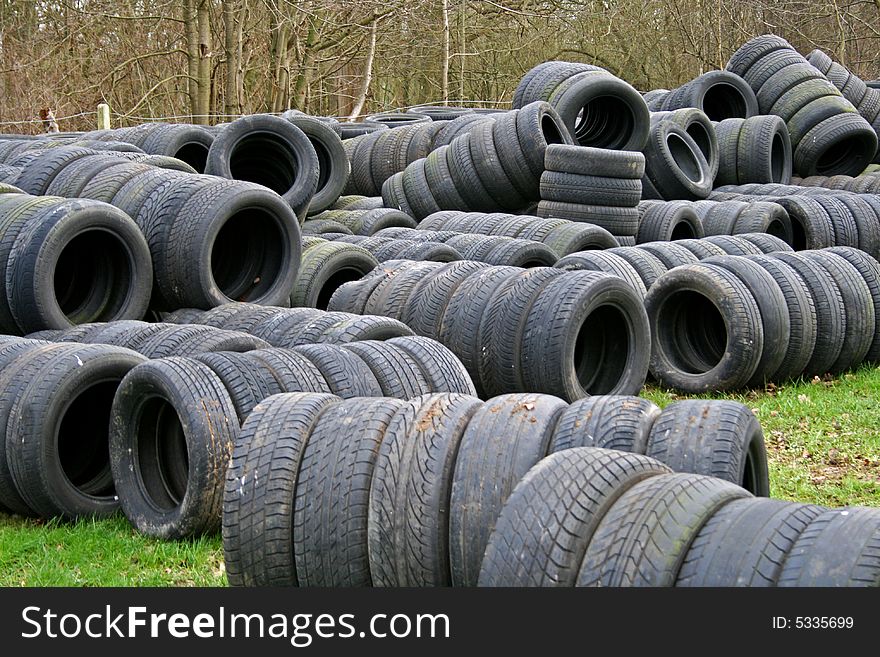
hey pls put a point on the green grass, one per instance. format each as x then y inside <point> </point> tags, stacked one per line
<point>823,441</point>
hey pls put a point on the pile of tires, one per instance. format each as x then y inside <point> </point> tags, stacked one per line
<point>364,222</point>
<point>17,152</point>
<point>827,134</point>
<point>65,262</point>
<point>211,240</point>
<point>593,185</point>
<point>491,249</point>
<point>865,99</point>
<point>385,249</point>
<point>339,481</point>
<point>291,327</point>
<point>641,265</point>
<point>569,334</point>
<point>820,218</point>
<point>732,322</point>
<point>599,109</point>
<point>753,150</point>
<point>495,166</point>
<point>865,183</point>
<point>561,235</point>
<point>589,517</point>
<point>681,156</point>
<point>377,156</point>
<point>169,407</point>
<point>186,142</point>
<point>719,95</point>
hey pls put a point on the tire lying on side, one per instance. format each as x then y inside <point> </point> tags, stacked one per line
<point>327,266</point>
<point>675,167</point>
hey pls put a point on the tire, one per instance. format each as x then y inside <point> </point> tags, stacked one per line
<point>504,438</point>
<point>586,161</point>
<point>590,190</point>
<point>745,544</point>
<point>764,151</point>
<point>223,251</point>
<point>859,318</point>
<point>327,266</point>
<point>869,269</point>
<point>551,516</point>
<point>330,507</point>
<point>734,245</point>
<point>65,388</point>
<point>431,296</point>
<point>610,263</point>
<point>76,175</point>
<point>720,94</point>
<point>408,534</point>
<point>669,221</point>
<point>715,438</point>
<point>346,374</point>
<point>616,220</point>
<point>615,422</point>
<point>700,128</point>
<point>501,329</point>
<point>773,309</point>
<point>537,126</point>
<point>459,326</point>
<point>333,164</point>
<point>767,243</point>
<point>802,315</point>
<point>604,315</point>
<point>602,111</point>
<point>269,151</point>
<point>167,342</point>
<point>99,253</point>
<point>843,144</point>
<point>358,327</point>
<point>487,163</point>
<point>647,265</point>
<point>840,547</point>
<point>574,237</point>
<point>670,254</point>
<point>830,312</point>
<point>38,174</point>
<point>811,226</point>
<point>440,366</point>
<point>188,143</point>
<point>645,536</point>
<point>763,217</point>
<point>674,165</point>
<point>163,496</point>
<point>705,329</point>
<point>322,226</point>
<point>727,133</point>
<point>511,156</point>
<point>258,511</point>
<point>398,374</point>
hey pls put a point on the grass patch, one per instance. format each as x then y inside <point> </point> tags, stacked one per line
<point>102,553</point>
<point>823,442</point>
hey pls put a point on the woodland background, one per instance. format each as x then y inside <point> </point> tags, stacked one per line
<point>205,60</point>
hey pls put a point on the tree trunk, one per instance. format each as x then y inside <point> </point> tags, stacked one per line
<point>231,53</point>
<point>444,61</point>
<point>368,73</point>
<point>204,64</point>
<point>192,55</point>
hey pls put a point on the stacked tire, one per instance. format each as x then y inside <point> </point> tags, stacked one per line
<point>464,456</point>
<point>719,95</point>
<point>732,322</point>
<point>597,186</point>
<point>599,109</point>
<point>570,334</point>
<point>588,517</point>
<point>753,150</point>
<point>681,156</point>
<point>828,135</point>
<point>560,235</point>
<point>495,166</point>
